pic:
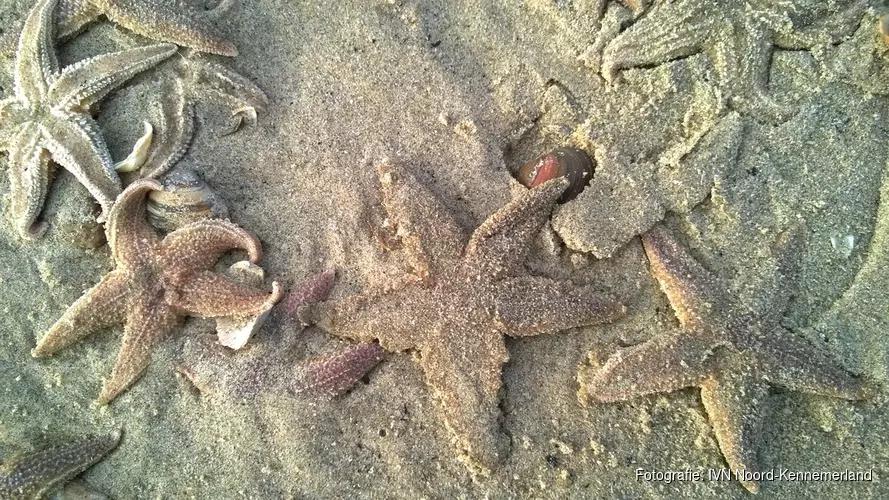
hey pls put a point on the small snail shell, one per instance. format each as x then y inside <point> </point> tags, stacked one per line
<point>569,162</point>
<point>186,198</point>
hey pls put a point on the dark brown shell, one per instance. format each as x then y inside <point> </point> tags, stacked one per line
<point>568,162</point>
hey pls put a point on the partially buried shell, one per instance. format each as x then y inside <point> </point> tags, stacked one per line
<point>568,162</point>
<point>186,198</point>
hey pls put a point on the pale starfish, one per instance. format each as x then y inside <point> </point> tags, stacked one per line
<point>48,118</point>
<point>162,20</point>
<point>36,474</point>
<point>732,353</point>
<point>467,293</point>
<point>739,35</point>
<point>155,283</point>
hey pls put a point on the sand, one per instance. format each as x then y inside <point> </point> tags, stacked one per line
<point>465,93</point>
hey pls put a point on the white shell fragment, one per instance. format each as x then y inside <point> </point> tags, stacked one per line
<point>843,244</point>
<point>139,154</point>
<point>234,331</point>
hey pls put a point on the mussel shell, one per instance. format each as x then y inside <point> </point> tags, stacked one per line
<point>185,198</point>
<point>568,162</point>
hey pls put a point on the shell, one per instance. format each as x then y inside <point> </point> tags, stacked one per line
<point>569,162</point>
<point>186,198</point>
<point>234,331</point>
<point>139,154</point>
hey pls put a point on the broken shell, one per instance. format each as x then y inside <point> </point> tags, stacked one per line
<point>568,162</point>
<point>234,331</point>
<point>186,198</point>
<point>139,154</point>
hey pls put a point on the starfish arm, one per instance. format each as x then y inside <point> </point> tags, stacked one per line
<point>697,296</point>
<point>733,401</point>
<point>207,294</point>
<point>794,363</point>
<point>174,134</point>
<point>531,306</point>
<point>335,373</point>
<point>744,69</point>
<point>37,474</point>
<point>665,363</point>
<point>199,245</point>
<point>29,177</point>
<point>651,41</point>
<point>35,64</point>
<point>88,81</point>
<point>783,284</point>
<point>77,145</point>
<point>429,232</point>
<point>163,20</point>
<point>131,238</point>
<point>148,321</point>
<point>469,394</point>
<point>828,27</point>
<point>205,76</point>
<point>101,307</point>
<point>72,16</point>
<point>499,245</point>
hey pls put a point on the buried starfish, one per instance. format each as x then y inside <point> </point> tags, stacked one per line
<point>732,353</point>
<point>740,35</point>
<point>467,292</point>
<point>48,118</point>
<point>155,283</point>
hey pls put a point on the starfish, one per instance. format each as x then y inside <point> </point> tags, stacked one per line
<point>155,283</point>
<point>48,118</point>
<point>37,474</point>
<point>465,294</point>
<point>730,352</point>
<point>740,36</point>
<point>161,20</point>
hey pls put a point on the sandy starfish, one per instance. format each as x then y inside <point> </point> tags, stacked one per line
<point>162,20</point>
<point>732,353</point>
<point>35,475</point>
<point>466,294</point>
<point>48,117</point>
<point>156,282</point>
<point>739,35</point>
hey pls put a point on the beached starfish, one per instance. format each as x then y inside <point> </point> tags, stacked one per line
<point>161,20</point>
<point>35,475</point>
<point>155,283</point>
<point>732,353</point>
<point>740,36</point>
<point>466,293</point>
<point>48,118</point>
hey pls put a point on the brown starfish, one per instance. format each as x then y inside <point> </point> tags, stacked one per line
<point>732,353</point>
<point>156,282</point>
<point>465,296</point>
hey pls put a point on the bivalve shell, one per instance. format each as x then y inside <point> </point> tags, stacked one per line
<point>568,162</point>
<point>186,198</point>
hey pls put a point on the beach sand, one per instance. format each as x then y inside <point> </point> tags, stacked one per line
<point>464,93</point>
